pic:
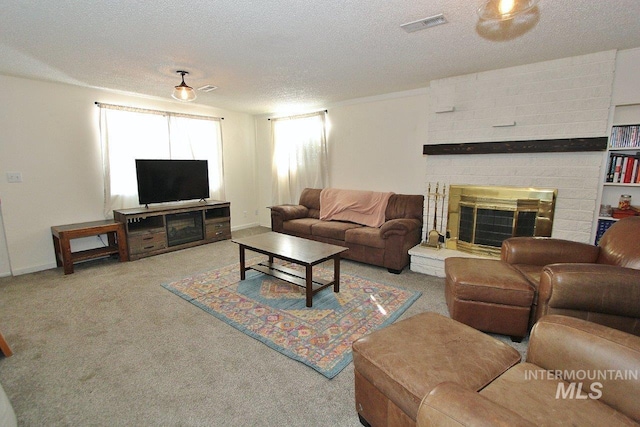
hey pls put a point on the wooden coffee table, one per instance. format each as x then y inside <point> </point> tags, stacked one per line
<point>296,250</point>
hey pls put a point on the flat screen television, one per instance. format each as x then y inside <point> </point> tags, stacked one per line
<point>171,180</point>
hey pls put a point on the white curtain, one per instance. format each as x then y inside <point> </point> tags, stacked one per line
<point>299,156</point>
<point>127,134</point>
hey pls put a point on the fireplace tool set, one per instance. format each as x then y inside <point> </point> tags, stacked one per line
<point>435,238</point>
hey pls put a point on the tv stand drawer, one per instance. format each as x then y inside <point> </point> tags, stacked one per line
<point>218,230</point>
<point>148,242</point>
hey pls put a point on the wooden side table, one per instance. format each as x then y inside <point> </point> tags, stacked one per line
<point>62,234</point>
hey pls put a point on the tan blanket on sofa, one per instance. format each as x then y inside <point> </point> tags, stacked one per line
<point>361,207</point>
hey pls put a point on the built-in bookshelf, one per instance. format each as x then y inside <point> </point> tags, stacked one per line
<point>622,170</point>
<point>623,166</point>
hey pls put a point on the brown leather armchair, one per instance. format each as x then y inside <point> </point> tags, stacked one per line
<point>596,283</point>
<point>576,373</point>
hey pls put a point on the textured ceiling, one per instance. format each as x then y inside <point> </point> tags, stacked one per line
<point>277,56</point>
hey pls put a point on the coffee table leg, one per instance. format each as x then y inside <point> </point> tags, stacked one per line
<point>336,273</point>
<point>242,265</point>
<point>309,280</point>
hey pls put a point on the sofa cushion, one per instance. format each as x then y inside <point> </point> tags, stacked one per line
<point>365,236</point>
<point>332,229</point>
<point>310,198</point>
<point>405,206</point>
<point>538,400</point>
<point>300,226</point>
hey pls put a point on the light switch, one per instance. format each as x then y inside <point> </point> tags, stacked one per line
<point>14,177</point>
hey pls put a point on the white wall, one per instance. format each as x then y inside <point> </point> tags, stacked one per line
<point>374,144</point>
<point>5,268</point>
<point>626,84</point>
<point>50,135</point>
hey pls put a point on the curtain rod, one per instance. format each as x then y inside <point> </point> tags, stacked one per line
<point>300,116</point>
<point>159,112</point>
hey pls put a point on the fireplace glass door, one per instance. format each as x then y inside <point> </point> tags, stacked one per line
<point>481,218</point>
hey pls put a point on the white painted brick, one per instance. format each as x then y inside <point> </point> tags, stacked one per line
<point>564,98</point>
<point>572,215</point>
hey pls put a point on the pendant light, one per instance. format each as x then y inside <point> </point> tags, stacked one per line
<point>503,10</point>
<point>182,92</point>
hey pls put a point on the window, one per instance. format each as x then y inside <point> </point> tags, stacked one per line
<point>299,156</point>
<point>127,134</point>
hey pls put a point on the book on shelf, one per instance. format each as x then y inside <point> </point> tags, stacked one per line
<point>603,225</point>
<point>623,168</point>
<point>626,136</point>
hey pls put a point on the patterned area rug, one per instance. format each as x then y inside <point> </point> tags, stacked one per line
<point>274,312</point>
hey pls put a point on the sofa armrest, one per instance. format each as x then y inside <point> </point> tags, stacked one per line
<point>542,251</point>
<point>288,212</point>
<point>282,213</point>
<point>451,405</point>
<point>585,352</point>
<point>592,288</point>
<point>400,226</point>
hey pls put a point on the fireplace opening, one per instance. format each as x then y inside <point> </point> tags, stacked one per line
<point>184,228</point>
<point>480,218</point>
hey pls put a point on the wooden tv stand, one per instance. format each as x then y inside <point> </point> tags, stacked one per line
<point>158,229</point>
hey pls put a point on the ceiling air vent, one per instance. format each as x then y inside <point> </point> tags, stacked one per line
<point>208,88</point>
<point>423,24</point>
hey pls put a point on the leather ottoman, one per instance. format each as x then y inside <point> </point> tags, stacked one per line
<point>397,366</point>
<point>489,295</point>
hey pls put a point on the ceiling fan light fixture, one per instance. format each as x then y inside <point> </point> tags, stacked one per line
<point>503,10</point>
<point>183,92</point>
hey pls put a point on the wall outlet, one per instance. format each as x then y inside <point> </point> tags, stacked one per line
<point>245,214</point>
<point>14,177</point>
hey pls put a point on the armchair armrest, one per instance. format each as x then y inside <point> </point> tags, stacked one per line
<point>451,405</point>
<point>400,226</point>
<point>590,288</point>
<point>542,251</point>
<point>590,353</point>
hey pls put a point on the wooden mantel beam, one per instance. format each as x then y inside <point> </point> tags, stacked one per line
<point>532,146</point>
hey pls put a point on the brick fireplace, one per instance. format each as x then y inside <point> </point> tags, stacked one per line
<point>567,98</point>
<point>574,177</point>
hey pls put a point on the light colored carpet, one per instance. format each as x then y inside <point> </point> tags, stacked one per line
<point>274,311</point>
<point>108,346</point>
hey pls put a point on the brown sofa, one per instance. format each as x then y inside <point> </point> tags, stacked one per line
<point>576,373</point>
<point>538,276</point>
<point>387,246</point>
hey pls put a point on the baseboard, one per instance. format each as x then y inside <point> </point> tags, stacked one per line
<point>245,226</point>
<point>35,269</point>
